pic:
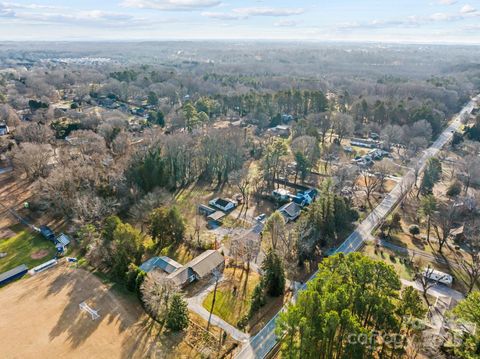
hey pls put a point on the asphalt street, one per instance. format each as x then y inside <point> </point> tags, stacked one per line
<point>262,343</point>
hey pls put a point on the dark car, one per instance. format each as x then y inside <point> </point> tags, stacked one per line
<point>47,233</point>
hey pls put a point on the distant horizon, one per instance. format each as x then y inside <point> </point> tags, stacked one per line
<point>392,21</point>
<point>247,40</point>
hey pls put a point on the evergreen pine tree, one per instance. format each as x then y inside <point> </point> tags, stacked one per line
<point>274,274</point>
<point>177,315</point>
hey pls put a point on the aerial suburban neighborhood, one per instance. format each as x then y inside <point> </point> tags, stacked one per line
<point>206,179</point>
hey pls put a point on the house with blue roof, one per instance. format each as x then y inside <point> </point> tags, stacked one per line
<point>163,263</point>
<point>305,198</point>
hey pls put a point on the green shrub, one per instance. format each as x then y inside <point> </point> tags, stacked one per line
<point>454,189</point>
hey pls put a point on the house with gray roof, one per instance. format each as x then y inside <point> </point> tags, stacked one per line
<point>198,268</point>
<point>291,211</point>
<point>163,263</point>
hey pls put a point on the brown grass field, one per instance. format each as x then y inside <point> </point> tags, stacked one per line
<point>40,318</point>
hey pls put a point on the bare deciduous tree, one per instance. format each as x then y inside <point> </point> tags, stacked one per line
<point>33,159</point>
<point>34,132</point>
<point>157,292</point>
<point>371,184</point>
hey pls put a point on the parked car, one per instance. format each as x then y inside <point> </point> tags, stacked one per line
<point>260,217</point>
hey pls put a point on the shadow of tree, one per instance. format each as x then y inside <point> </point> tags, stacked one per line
<point>82,286</point>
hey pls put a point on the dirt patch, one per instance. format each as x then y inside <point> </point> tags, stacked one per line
<point>40,254</point>
<point>6,233</point>
<point>41,318</point>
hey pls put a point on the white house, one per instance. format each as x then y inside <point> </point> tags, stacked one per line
<point>224,204</point>
<point>281,194</point>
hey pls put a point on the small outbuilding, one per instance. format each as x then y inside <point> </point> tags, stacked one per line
<point>47,233</point>
<point>206,210</point>
<point>62,240</point>
<point>457,234</point>
<point>13,274</point>
<point>216,216</point>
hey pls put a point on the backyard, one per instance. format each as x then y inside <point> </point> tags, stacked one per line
<point>22,246</point>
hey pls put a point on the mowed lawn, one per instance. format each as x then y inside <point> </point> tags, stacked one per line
<point>233,295</point>
<point>22,246</point>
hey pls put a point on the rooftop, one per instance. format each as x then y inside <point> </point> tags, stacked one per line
<point>291,209</point>
<point>206,262</point>
<point>165,263</point>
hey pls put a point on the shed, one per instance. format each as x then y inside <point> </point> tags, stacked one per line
<point>458,234</point>
<point>13,274</point>
<point>217,216</point>
<point>47,233</point>
<point>205,210</point>
<point>63,239</point>
<point>164,263</point>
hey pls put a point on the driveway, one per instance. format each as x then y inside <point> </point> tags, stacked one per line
<point>195,305</point>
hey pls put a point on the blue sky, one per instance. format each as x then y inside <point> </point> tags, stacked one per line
<point>431,21</point>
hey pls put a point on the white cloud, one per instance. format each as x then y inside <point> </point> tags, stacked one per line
<point>268,11</point>
<point>409,22</point>
<point>467,9</point>
<point>439,16</point>
<point>222,15</point>
<point>37,15</point>
<point>286,23</point>
<point>13,5</point>
<point>246,12</point>
<point>94,16</point>
<point>171,5</point>
<point>6,11</point>
<point>447,2</point>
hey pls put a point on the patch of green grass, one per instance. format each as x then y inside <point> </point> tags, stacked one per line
<point>180,253</point>
<point>233,296</point>
<point>404,270</point>
<point>233,222</point>
<point>20,248</point>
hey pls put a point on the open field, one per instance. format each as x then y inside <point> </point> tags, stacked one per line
<point>24,247</point>
<point>41,319</point>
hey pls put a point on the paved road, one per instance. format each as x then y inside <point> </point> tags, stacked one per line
<point>262,343</point>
